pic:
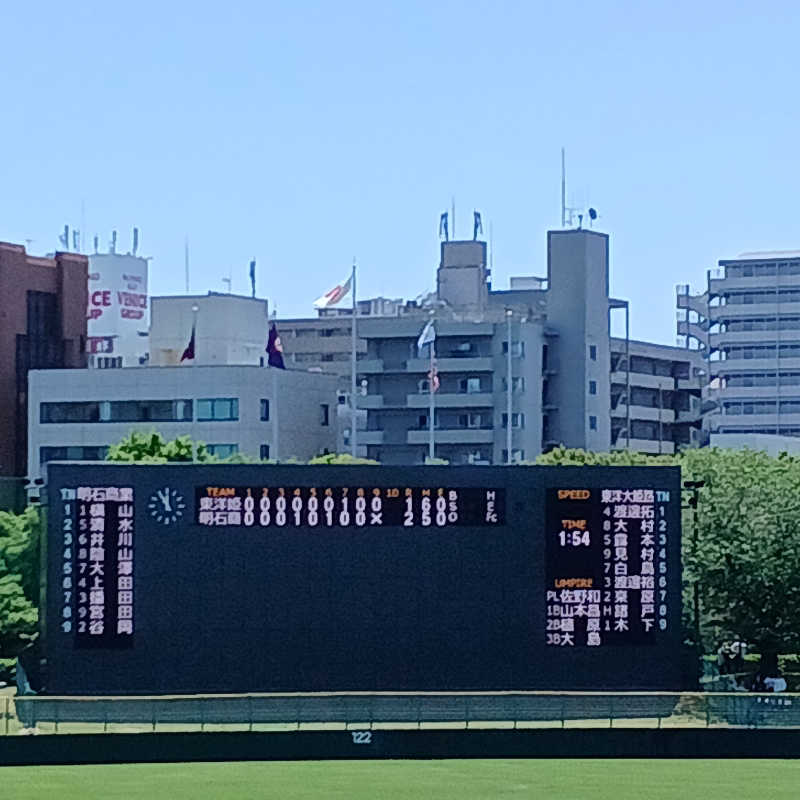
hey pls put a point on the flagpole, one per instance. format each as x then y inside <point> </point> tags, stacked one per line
<point>195,310</point>
<point>353,419</point>
<point>431,410</point>
<point>509,381</point>
<point>274,415</point>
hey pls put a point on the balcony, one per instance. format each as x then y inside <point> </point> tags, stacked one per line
<point>370,401</point>
<point>740,310</point>
<point>756,283</point>
<point>729,393</point>
<point>650,446</point>
<point>644,380</point>
<point>469,364</point>
<point>370,366</point>
<point>721,338</point>
<point>369,437</point>
<point>647,413</point>
<point>451,400</point>
<point>696,383</point>
<point>453,436</point>
<point>731,365</point>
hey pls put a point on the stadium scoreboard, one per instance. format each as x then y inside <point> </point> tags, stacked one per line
<point>241,578</point>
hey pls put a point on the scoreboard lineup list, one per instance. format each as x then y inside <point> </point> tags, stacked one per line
<point>97,571</point>
<point>607,567</point>
<point>578,561</point>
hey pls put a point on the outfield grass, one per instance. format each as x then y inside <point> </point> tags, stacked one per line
<point>413,780</point>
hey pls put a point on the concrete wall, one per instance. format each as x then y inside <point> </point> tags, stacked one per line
<point>577,307</point>
<point>231,330</point>
<point>293,430</point>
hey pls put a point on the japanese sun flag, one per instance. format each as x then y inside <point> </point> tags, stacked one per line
<point>332,297</point>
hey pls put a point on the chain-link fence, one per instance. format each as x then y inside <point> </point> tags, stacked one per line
<point>263,712</point>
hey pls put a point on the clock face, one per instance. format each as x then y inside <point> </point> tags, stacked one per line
<point>166,506</point>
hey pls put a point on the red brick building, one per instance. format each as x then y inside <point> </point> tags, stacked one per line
<point>42,326</point>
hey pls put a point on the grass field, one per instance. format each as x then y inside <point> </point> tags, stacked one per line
<point>412,780</point>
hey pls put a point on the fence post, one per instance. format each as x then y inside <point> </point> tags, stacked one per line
<point>55,717</point>
<point>708,711</point>
<point>153,704</point>
<point>202,714</point>
<point>611,711</point>
<point>250,712</point>
<point>563,710</point>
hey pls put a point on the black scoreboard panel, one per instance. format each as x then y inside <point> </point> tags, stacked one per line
<point>238,578</point>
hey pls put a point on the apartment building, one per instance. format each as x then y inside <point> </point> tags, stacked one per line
<point>746,325</point>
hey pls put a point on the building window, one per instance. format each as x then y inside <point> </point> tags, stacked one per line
<point>517,420</point>
<point>592,387</point>
<point>222,450</point>
<point>264,410</point>
<point>593,423</point>
<point>517,348</point>
<point>116,411</point>
<point>69,453</point>
<point>423,386</point>
<point>324,414</point>
<point>593,352</point>
<point>218,409</point>
<point>517,455</point>
<point>469,385</point>
<point>517,384</point>
<point>471,420</point>
<point>263,452</point>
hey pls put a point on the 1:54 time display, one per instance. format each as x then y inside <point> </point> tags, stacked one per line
<point>574,538</point>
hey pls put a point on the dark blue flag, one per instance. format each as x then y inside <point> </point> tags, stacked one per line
<point>274,349</point>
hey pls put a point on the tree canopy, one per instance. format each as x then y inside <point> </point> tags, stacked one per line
<point>19,580</point>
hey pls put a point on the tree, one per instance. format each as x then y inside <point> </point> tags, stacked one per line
<point>746,558</point>
<point>152,448</point>
<point>19,580</point>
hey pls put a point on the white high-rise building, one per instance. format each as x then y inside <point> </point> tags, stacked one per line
<point>747,326</point>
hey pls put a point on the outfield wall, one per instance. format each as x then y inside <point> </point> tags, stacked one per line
<point>408,744</point>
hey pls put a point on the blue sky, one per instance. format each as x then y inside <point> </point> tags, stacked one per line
<point>307,133</point>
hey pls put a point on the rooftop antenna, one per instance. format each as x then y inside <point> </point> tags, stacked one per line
<point>186,262</point>
<point>135,240</point>
<point>113,245</point>
<point>83,223</point>
<point>96,243</point>
<point>64,238</point>
<point>563,189</point>
<point>76,241</point>
<point>229,281</point>
<point>592,216</point>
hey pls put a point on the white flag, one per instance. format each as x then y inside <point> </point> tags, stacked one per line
<point>428,336</point>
